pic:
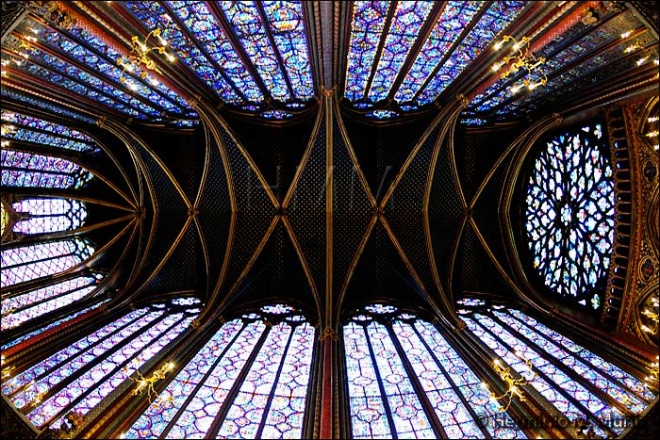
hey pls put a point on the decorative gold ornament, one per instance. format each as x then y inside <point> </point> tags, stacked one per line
<point>522,60</point>
<point>513,385</point>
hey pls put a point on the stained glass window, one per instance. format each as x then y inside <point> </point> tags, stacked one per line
<point>26,263</point>
<point>398,366</point>
<point>17,309</point>
<point>10,94</point>
<point>377,54</point>
<point>269,402</point>
<point>276,48</point>
<point>584,389</point>
<point>45,215</point>
<point>570,214</point>
<point>37,331</point>
<point>21,169</point>
<point>104,81</point>
<point>37,131</point>
<point>76,378</point>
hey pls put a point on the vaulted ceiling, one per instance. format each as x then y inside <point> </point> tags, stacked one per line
<point>329,153</point>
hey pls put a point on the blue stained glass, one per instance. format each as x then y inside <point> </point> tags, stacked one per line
<point>374,363</point>
<point>28,170</point>
<point>26,263</point>
<point>202,24</point>
<point>105,65</point>
<point>271,397</point>
<point>8,93</point>
<point>45,215</point>
<point>549,390</point>
<point>408,19</point>
<point>381,114</point>
<point>286,24</point>
<point>103,378</point>
<point>629,400</point>
<point>112,55</point>
<point>61,79</point>
<point>607,33</point>
<point>156,17</point>
<point>570,209</point>
<point>489,27</point>
<point>276,114</point>
<point>63,137</point>
<point>38,331</point>
<point>246,23</point>
<point>26,306</point>
<point>366,29</point>
<point>455,17</point>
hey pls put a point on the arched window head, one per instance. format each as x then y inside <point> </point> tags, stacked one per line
<point>570,215</point>
<point>406,381</point>
<point>42,215</point>
<point>26,263</point>
<point>75,379</point>
<point>589,393</point>
<point>250,380</point>
<point>28,170</point>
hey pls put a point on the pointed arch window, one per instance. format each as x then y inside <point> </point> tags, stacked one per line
<point>78,377</point>
<point>250,380</point>
<point>28,170</point>
<point>581,386</point>
<point>406,381</point>
<point>570,215</point>
<point>27,263</point>
<point>26,128</point>
<point>42,215</point>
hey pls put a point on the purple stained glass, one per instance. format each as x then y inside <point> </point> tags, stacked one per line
<point>31,129</point>
<point>454,19</point>
<point>409,16</point>
<point>26,263</point>
<point>570,215</point>
<point>20,169</point>
<point>46,215</point>
<point>38,331</point>
<point>26,306</point>
<point>366,32</point>
<point>275,362</point>
<point>10,94</point>
<point>375,363</point>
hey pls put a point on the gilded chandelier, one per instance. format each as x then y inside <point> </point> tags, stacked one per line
<point>522,60</point>
<point>138,58</point>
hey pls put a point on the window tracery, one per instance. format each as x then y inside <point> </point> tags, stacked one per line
<point>570,215</point>
<point>405,380</point>
<point>76,378</point>
<point>250,380</point>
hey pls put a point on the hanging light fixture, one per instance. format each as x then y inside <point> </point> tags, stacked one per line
<point>147,383</point>
<point>521,60</point>
<point>138,59</point>
<point>513,385</point>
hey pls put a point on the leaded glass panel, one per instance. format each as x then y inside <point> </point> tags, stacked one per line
<point>405,380</point>
<point>274,362</point>
<point>46,215</point>
<point>570,214</point>
<point>77,378</point>
<point>26,263</point>
<point>21,169</point>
